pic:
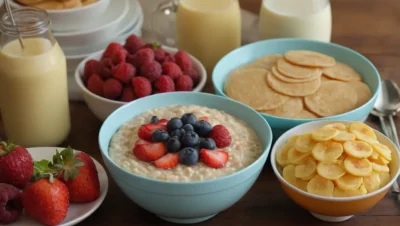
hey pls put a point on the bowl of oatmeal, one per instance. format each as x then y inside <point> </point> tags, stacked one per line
<point>185,156</point>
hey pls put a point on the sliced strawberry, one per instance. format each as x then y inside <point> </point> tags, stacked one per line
<point>168,161</point>
<point>163,121</point>
<point>205,118</point>
<point>146,130</point>
<point>141,142</point>
<point>214,158</point>
<point>150,152</point>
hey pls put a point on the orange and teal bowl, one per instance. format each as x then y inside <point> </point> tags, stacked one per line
<point>333,209</point>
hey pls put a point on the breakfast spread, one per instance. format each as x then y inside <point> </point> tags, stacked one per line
<point>184,143</point>
<point>56,4</point>
<point>139,69</point>
<point>336,160</point>
<point>298,84</point>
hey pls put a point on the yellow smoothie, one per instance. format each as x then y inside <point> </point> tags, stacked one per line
<point>308,19</point>
<point>208,29</point>
<point>33,93</point>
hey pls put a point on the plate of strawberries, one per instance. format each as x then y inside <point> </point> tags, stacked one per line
<point>48,185</point>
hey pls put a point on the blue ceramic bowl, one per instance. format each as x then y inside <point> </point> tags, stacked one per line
<point>185,202</point>
<point>251,52</point>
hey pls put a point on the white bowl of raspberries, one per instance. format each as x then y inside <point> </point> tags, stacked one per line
<point>125,72</point>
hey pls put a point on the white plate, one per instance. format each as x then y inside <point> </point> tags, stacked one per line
<point>135,10</point>
<point>76,212</point>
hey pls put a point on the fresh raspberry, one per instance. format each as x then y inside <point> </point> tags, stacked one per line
<point>141,86</point>
<point>159,55</point>
<point>145,55</point>
<point>127,94</point>
<point>133,59</point>
<point>169,58</point>
<point>106,66</point>
<point>91,67</point>
<point>124,72</point>
<point>220,134</point>
<point>151,70</point>
<point>111,49</point>
<point>183,60</point>
<point>10,203</point>
<point>133,43</point>
<point>164,84</point>
<point>172,70</point>
<point>112,89</point>
<point>119,56</point>
<point>183,83</point>
<point>95,85</point>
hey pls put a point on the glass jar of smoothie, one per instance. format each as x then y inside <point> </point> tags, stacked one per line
<point>308,19</point>
<point>33,81</point>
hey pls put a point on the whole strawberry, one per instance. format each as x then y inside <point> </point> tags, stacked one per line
<point>16,165</point>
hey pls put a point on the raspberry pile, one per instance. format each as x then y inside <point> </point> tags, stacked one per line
<point>139,69</point>
<point>186,140</point>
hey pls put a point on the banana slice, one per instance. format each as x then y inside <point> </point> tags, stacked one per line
<point>324,134</point>
<point>384,161</point>
<point>338,192</point>
<point>306,171</point>
<point>357,149</point>
<point>288,174</point>
<point>337,126</point>
<point>379,165</point>
<point>383,150</point>
<point>327,151</point>
<point>341,159</point>
<point>349,182</point>
<point>296,157</point>
<point>358,167</point>
<point>330,170</point>
<point>374,155</point>
<point>320,186</point>
<point>358,128</point>
<point>282,155</point>
<point>305,143</point>
<point>372,182</point>
<point>385,178</point>
<point>343,136</point>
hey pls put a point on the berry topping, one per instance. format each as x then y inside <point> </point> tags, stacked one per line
<point>172,70</point>
<point>183,60</point>
<point>189,118</point>
<point>168,161</point>
<point>154,119</point>
<point>149,152</point>
<point>112,89</point>
<point>133,43</point>
<point>160,136</point>
<point>141,142</point>
<point>146,131</point>
<point>195,76</point>
<point>111,49</point>
<point>215,159</point>
<point>119,56</point>
<point>221,136</point>
<point>173,144</point>
<point>91,67</point>
<point>163,122</point>
<point>144,56</point>
<point>95,84</point>
<point>190,139</point>
<point>10,203</point>
<point>151,70</point>
<point>208,144</point>
<point>183,83</point>
<point>124,72</point>
<point>141,86</point>
<point>188,127</point>
<point>174,123</point>
<point>106,67</point>
<point>164,84</point>
<point>188,156</point>
<point>127,94</point>
<point>203,128</point>
<point>177,133</point>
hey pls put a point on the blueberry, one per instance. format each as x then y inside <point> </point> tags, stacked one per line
<point>174,123</point>
<point>188,127</point>
<point>208,144</point>
<point>154,119</point>
<point>189,118</point>
<point>188,156</point>
<point>190,139</point>
<point>203,128</point>
<point>177,133</point>
<point>173,144</point>
<point>159,136</point>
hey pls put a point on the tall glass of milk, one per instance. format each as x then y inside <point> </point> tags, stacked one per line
<point>33,81</point>
<point>308,19</point>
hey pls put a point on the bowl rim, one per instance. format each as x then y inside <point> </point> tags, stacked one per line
<point>64,11</point>
<point>295,120</point>
<point>283,137</point>
<point>266,150</point>
<point>79,81</point>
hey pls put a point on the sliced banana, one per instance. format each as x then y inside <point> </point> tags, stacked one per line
<point>343,136</point>
<point>305,143</point>
<point>385,178</point>
<point>337,126</point>
<point>307,170</point>
<point>341,159</point>
<point>288,174</point>
<point>358,128</point>
<point>358,167</point>
<point>357,149</point>
<point>324,134</point>
<point>349,182</point>
<point>296,157</point>
<point>374,155</point>
<point>330,170</point>
<point>372,182</point>
<point>383,150</point>
<point>282,155</point>
<point>320,186</point>
<point>384,161</point>
<point>379,165</point>
<point>338,192</point>
<point>327,151</point>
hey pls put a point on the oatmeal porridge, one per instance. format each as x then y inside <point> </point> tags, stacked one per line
<point>245,147</point>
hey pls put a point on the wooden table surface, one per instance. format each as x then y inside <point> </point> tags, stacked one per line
<point>370,27</point>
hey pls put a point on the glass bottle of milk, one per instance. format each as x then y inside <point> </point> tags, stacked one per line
<point>308,19</point>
